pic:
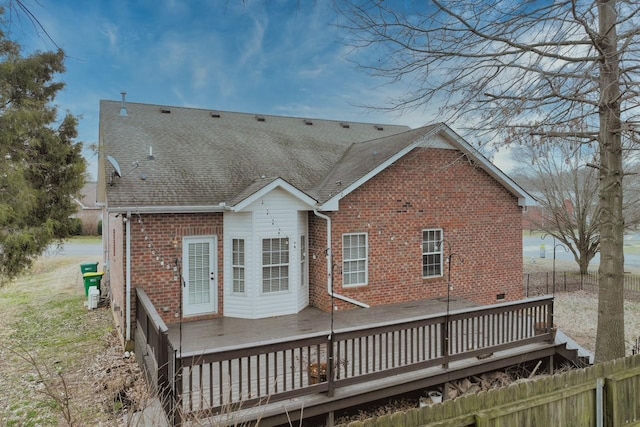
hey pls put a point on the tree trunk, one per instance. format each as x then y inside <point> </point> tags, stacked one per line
<point>584,265</point>
<point>610,336</point>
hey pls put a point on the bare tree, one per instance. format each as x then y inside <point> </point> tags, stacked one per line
<point>567,193</point>
<point>516,71</point>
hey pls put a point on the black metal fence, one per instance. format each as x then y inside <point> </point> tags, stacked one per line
<point>545,283</point>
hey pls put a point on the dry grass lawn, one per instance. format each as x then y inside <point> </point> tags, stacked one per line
<point>55,353</point>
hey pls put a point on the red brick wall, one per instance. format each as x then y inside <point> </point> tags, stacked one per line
<point>164,233</point>
<point>317,261</point>
<point>428,188</point>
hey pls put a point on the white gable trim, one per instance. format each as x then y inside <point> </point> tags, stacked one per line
<point>277,183</point>
<point>458,143</point>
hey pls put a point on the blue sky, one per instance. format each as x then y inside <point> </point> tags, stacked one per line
<point>283,57</point>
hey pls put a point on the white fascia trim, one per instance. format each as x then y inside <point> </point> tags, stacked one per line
<point>332,203</point>
<point>277,183</point>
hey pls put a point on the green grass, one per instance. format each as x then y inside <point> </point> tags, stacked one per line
<point>89,240</point>
<point>31,414</point>
<point>632,249</point>
<point>43,316</point>
<point>55,326</point>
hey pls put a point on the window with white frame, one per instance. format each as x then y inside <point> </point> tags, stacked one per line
<point>432,253</point>
<point>275,265</point>
<point>354,259</point>
<point>238,265</point>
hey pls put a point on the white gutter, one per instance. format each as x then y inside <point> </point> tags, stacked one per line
<point>329,269</point>
<point>128,277</point>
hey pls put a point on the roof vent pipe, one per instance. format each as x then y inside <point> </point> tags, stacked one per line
<point>123,107</point>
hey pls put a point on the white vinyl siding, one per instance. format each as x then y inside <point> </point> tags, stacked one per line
<point>277,215</point>
<point>354,259</point>
<point>238,265</point>
<point>275,265</point>
<point>432,253</point>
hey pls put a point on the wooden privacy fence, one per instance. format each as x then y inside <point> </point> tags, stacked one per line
<point>607,394</point>
<point>244,376</point>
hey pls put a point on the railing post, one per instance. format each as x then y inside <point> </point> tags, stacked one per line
<point>330,366</point>
<point>550,317</point>
<point>445,342</point>
<point>175,417</point>
<point>164,383</point>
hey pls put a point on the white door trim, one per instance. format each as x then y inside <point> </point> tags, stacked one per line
<point>205,277</point>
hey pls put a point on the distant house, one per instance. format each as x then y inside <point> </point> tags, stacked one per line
<point>88,211</point>
<point>252,216</point>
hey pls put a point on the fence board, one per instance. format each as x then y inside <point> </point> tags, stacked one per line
<point>563,399</point>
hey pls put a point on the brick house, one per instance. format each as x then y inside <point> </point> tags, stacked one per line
<point>241,215</point>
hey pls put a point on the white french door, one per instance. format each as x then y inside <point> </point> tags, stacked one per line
<point>199,260</point>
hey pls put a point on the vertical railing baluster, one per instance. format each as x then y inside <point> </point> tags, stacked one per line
<point>220,383</point>
<point>258,377</point>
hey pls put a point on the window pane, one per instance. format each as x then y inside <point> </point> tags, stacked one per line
<point>275,268</point>
<point>354,255</point>
<point>432,250</point>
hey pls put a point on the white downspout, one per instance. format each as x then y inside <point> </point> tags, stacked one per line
<point>329,261</point>
<point>128,278</point>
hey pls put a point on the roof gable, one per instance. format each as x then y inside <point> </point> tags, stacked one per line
<point>363,161</point>
<point>259,188</point>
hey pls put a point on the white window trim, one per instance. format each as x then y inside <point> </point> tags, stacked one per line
<point>440,251</point>
<point>365,259</point>
<point>242,266</point>
<point>287,264</point>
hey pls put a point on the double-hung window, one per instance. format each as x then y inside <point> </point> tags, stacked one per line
<point>432,253</point>
<point>238,265</point>
<point>275,265</point>
<point>354,259</point>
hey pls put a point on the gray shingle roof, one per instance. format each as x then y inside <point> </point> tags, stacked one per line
<point>363,157</point>
<point>200,160</point>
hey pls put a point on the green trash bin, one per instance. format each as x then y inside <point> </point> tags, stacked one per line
<point>92,279</point>
<point>89,268</point>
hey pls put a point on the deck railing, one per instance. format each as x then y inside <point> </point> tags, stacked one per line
<point>154,333</point>
<point>240,377</point>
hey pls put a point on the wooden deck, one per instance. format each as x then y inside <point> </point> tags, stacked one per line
<point>201,336</point>
<point>225,365</point>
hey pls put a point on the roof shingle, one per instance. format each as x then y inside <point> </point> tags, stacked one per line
<point>205,160</point>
